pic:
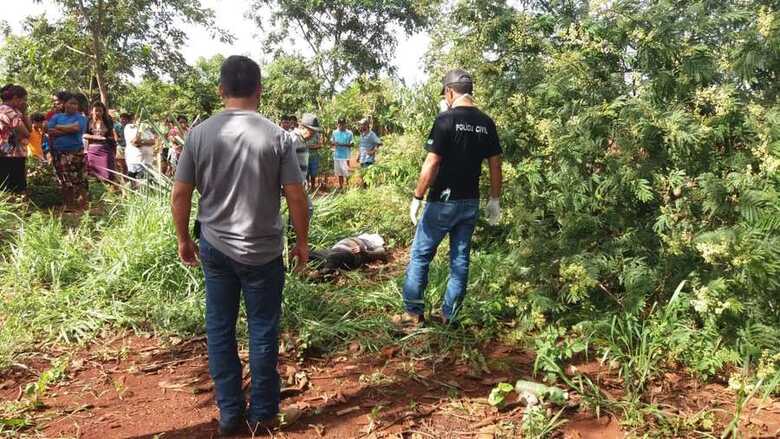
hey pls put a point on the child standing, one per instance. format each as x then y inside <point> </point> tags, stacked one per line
<point>37,145</point>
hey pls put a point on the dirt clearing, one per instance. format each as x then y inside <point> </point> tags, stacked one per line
<point>136,387</point>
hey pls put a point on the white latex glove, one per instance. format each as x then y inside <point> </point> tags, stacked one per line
<point>413,209</point>
<point>493,211</point>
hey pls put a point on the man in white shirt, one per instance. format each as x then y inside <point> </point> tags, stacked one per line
<point>139,152</point>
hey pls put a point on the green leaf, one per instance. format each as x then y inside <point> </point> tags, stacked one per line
<point>499,393</point>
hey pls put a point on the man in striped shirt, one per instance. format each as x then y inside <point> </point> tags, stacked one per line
<point>302,137</point>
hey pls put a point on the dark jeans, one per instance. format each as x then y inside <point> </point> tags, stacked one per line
<point>262,286</point>
<point>455,218</point>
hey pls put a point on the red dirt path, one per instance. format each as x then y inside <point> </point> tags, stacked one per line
<point>134,387</point>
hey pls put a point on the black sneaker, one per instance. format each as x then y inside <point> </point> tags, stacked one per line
<point>231,427</point>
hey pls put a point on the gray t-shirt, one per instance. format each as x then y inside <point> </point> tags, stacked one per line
<point>238,161</point>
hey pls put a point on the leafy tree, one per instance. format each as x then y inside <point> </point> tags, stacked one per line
<point>345,37</point>
<point>49,57</point>
<point>122,35</point>
<point>290,86</point>
<point>642,146</point>
<point>194,93</point>
<point>365,97</point>
<point>5,28</point>
<point>199,86</point>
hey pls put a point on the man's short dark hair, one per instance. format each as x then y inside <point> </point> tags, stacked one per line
<point>182,119</point>
<point>81,98</point>
<point>125,115</point>
<point>285,117</point>
<point>293,118</point>
<point>239,77</point>
<point>38,117</point>
<point>461,88</point>
<point>342,120</point>
<point>12,91</point>
<point>63,96</point>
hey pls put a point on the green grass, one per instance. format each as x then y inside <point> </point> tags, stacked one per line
<point>67,284</point>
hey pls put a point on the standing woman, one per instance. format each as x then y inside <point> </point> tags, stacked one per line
<point>177,137</point>
<point>83,102</point>
<point>101,146</point>
<point>66,131</point>
<point>165,153</point>
<point>14,135</point>
<point>84,110</point>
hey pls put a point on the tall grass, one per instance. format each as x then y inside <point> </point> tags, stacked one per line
<point>67,284</point>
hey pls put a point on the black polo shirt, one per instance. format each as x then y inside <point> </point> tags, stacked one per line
<point>463,137</point>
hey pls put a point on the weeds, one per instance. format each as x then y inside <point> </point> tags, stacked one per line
<point>539,422</point>
<point>66,285</point>
<point>35,392</point>
<point>18,415</point>
<point>637,352</point>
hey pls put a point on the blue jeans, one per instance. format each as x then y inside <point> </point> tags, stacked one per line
<point>314,164</point>
<point>458,219</point>
<point>262,286</point>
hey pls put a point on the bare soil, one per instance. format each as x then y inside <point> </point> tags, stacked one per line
<point>137,387</point>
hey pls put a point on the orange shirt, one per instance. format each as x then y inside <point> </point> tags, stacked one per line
<point>35,147</point>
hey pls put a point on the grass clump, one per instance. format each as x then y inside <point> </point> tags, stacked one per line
<point>379,210</point>
<point>61,284</point>
<point>46,253</point>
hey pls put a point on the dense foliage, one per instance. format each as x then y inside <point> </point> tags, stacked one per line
<point>644,144</point>
<point>194,93</point>
<point>97,46</point>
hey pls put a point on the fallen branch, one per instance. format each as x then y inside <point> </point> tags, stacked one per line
<point>155,367</point>
<point>493,419</point>
<point>421,433</point>
<point>333,377</point>
<point>70,413</point>
<point>405,418</point>
<point>485,422</point>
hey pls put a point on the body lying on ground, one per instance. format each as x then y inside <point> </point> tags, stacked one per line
<point>351,253</point>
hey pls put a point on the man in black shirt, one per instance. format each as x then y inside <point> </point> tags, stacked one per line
<point>460,140</point>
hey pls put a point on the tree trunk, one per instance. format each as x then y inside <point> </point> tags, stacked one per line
<point>101,82</point>
<point>95,26</point>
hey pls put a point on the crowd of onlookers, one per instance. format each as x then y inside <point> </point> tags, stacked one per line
<point>82,141</point>
<point>306,134</point>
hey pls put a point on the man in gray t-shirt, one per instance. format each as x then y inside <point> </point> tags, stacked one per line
<point>241,163</point>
